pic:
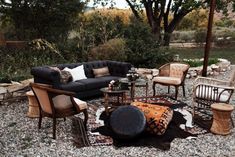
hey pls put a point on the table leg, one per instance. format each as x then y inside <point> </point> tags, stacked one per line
<point>106,103</point>
<point>146,92</point>
<point>132,91</point>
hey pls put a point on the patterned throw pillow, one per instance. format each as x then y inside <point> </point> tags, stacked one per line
<point>158,117</point>
<point>99,72</point>
<point>65,76</point>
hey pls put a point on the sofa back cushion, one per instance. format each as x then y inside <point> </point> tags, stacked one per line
<point>101,72</point>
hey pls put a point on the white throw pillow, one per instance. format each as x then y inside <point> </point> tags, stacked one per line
<point>77,73</point>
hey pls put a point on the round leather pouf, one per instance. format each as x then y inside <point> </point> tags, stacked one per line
<point>127,121</point>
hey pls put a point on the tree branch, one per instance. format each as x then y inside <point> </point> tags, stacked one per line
<point>133,9</point>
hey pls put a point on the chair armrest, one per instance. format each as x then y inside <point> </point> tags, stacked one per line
<point>210,81</point>
<point>46,75</point>
<point>60,92</point>
<point>164,70</point>
<point>118,68</point>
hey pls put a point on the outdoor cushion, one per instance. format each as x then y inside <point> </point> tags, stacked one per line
<point>158,117</point>
<point>62,102</point>
<point>176,70</point>
<point>74,86</point>
<point>77,73</point>
<point>167,80</point>
<point>65,76</point>
<point>99,82</point>
<point>210,93</point>
<point>101,72</point>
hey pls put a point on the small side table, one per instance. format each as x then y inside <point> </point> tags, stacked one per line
<point>33,111</point>
<point>137,83</point>
<point>221,118</point>
<point>113,93</point>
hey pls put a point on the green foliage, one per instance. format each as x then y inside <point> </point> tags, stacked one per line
<point>199,62</point>
<point>200,36</point>
<point>113,49</point>
<point>46,19</point>
<point>143,50</point>
<point>15,64</point>
<point>224,22</point>
<point>183,36</point>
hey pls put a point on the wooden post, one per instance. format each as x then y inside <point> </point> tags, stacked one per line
<point>208,38</point>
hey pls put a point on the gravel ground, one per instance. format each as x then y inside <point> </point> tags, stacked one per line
<point>19,136</point>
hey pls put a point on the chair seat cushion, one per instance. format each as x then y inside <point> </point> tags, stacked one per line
<point>212,93</point>
<point>167,80</point>
<point>158,117</point>
<point>62,102</point>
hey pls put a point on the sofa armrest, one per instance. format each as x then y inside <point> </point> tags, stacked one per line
<point>46,75</point>
<point>119,68</point>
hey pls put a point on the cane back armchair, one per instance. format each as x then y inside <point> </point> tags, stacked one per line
<point>56,103</point>
<point>171,74</point>
<point>207,91</point>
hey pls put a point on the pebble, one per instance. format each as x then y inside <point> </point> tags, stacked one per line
<point>19,135</point>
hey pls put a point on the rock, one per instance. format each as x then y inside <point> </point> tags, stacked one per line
<point>15,87</point>
<point>155,72</point>
<point>149,76</point>
<point>223,64</point>
<point>27,82</point>
<point>188,76</point>
<point>3,90</point>
<point>214,67</point>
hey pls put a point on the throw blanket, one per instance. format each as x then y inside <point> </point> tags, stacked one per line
<point>157,117</point>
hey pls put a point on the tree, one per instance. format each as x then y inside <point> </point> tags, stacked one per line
<point>47,19</point>
<point>159,11</point>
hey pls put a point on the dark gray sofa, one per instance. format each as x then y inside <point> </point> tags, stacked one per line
<point>84,88</point>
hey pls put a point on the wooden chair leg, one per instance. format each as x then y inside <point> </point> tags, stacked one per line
<point>154,91</point>
<point>54,128</point>
<point>168,89</point>
<point>64,119</point>
<point>85,118</point>
<point>40,120</point>
<point>176,92</point>
<point>183,90</point>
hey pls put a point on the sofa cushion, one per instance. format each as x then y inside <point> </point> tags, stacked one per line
<point>77,73</point>
<point>167,80</point>
<point>65,76</point>
<point>100,82</point>
<point>74,87</point>
<point>99,72</point>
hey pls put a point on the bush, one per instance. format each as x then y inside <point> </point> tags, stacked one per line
<point>199,62</point>
<point>200,36</point>
<point>114,49</point>
<point>15,64</point>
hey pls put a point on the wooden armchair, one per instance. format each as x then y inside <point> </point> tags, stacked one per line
<point>207,91</point>
<point>56,103</point>
<point>171,74</point>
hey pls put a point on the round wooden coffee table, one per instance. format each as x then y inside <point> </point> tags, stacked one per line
<point>108,94</point>
<point>221,118</point>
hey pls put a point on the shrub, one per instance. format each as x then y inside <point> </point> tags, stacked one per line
<point>114,49</point>
<point>15,64</point>
<point>200,36</point>
<point>199,62</point>
<point>142,46</point>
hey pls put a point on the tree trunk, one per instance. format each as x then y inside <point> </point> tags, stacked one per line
<point>167,38</point>
<point>156,31</point>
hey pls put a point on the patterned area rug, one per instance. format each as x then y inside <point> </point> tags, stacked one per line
<point>98,134</point>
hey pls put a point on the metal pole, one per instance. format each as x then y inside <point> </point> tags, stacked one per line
<point>208,38</point>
